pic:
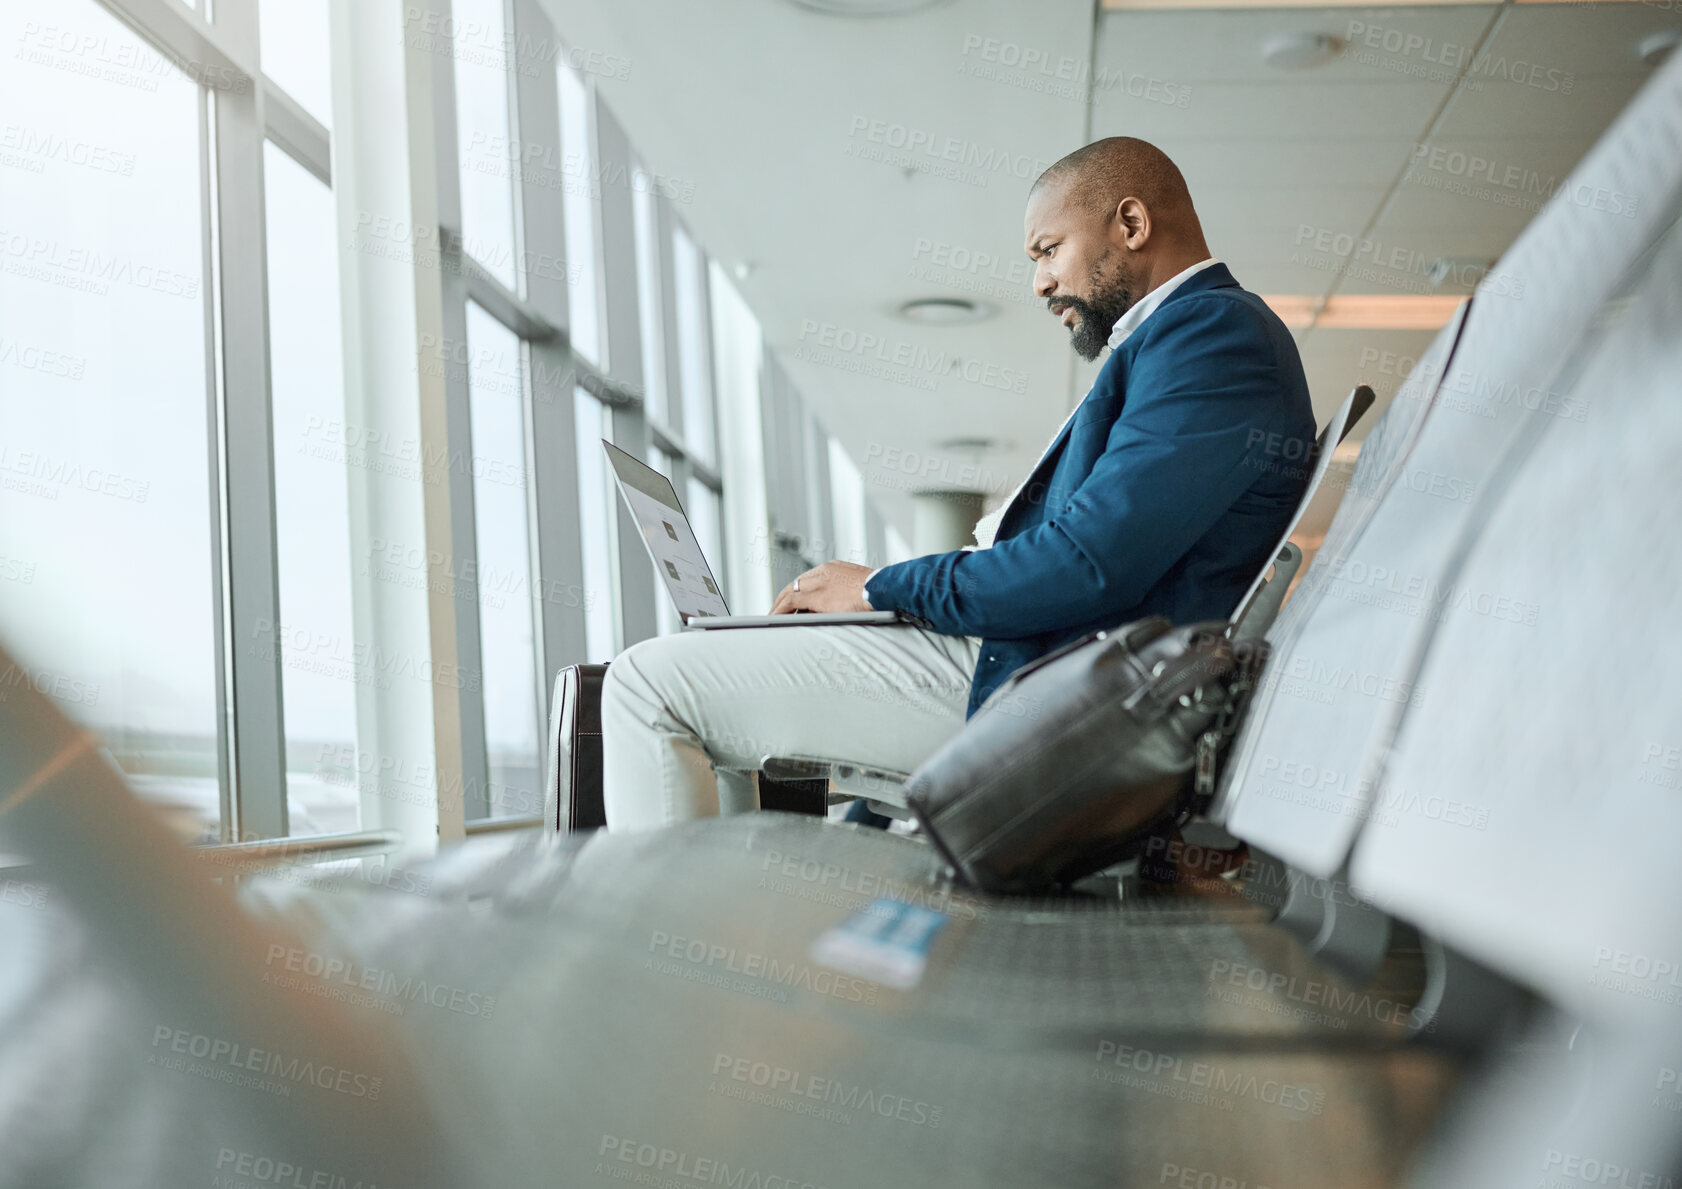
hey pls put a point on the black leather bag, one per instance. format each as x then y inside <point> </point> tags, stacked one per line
<point>1086,753</point>
<point>573,797</point>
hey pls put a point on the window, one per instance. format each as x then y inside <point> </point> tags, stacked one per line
<point>312,501</point>
<point>502,530</point>
<point>851,535</point>
<point>665,613</point>
<point>294,38</point>
<point>705,518</point>
<point>483,140</point>
<point>687,279</point>
<point>595,521</point>
<point>579,207</point>
<point>210,492</point>
<point>106,478</point>
<point>650,311</point>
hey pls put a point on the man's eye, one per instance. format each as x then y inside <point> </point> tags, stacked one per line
<point>1050,251</point>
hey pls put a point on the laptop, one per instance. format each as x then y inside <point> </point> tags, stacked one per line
<point>683,567</point>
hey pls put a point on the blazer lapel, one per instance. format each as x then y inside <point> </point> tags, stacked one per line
<point>1216,276</point>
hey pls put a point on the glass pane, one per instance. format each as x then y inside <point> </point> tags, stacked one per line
<point>595,503</point>
<point>312,501</point>
<point>483,140</point>
<point>497,410</point>
<point>293,48</point>
<point>705,518</point>
<point>648,305</point>
<point>579,210</point>
<point>106,580</point>
<point>665,611</point>
<point>851,536</point>
<point>691,346</point>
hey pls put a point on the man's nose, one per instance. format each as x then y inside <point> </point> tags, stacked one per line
<point>1044,283</point>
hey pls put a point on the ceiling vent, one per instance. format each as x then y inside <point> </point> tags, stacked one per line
<point>1299,51</point>
<point>944,311</point>
<point>866,8</point>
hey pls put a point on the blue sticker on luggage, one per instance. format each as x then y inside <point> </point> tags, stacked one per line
<point>886,942</point>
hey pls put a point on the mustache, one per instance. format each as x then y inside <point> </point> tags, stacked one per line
<point>1058,304</point>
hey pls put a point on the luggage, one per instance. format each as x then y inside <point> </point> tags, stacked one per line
<point>573,799</point>
<point>1085,754</point>
<point>573,796</point>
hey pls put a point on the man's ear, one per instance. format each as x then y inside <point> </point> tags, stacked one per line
<point>1133,223</point>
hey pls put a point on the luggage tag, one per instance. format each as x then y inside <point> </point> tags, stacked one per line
<point>886,942</point>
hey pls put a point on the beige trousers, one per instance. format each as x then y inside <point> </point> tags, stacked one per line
<point>687,718</point>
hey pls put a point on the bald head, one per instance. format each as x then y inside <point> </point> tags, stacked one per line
<point>1096,179</point>
<point>1106,225</point>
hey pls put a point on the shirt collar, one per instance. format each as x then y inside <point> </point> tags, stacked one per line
<point>1146,305</point>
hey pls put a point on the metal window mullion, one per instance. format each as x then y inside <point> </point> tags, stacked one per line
<point>561,595</point>
<point>219,582</point>
<point>622,321</point>
<point>300,135</point>
<point>704,313</point>
<point>502,303</point>
<point>223,57</point>
<point>664,224</point>
<point>255,637</point>
<point>450,494</point>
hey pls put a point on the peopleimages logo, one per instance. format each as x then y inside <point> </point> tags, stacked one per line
<point>223,1057</point>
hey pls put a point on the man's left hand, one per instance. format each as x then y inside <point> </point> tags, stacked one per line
<point>833,586</point>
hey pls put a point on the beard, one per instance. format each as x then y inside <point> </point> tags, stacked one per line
<point>1113,288</point>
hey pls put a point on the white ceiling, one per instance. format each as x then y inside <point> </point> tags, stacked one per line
<point>755,101</point>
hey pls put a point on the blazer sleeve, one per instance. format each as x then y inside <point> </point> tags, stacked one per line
<point>1203,397</point>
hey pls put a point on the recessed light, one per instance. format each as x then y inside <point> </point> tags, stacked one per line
<point>1298,51</point>
<point>944,311</point>
<point>865,8</point>
<point>976,444</point>
<point>1365,311</point>
<point>1656,47</point>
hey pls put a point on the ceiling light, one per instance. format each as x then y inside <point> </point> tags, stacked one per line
<point>1190,5</point>
<point>1298,51</point>
<point>944,311</point>
<point>1656,47</point>
<point>966,443</point>
<point>865,8</point>
<point>1365,311</point>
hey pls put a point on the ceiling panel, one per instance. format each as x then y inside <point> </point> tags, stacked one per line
<point>1494,107</point>
<point>778,116</point>
<point>1225,47</point>
<point>1579,39</point>
<point>1366,162</point>
<point>1295,110</point>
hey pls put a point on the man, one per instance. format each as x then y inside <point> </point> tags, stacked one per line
<point>1164,493</point>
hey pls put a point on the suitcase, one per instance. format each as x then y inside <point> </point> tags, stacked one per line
<point>573,798</point>
<point>1086,753</point>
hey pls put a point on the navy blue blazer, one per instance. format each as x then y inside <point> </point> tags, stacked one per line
<point>1164,494</point>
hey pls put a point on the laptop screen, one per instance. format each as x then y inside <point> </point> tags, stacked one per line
<point>665,529</point>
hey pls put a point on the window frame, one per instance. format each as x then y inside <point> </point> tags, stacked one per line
<point>241,109</point>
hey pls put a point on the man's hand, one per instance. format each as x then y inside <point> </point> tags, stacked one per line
<point>833,586</point>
